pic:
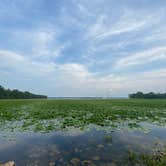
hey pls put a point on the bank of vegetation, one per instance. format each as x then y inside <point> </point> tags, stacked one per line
<point>150,95</point>
<point>16,94</point>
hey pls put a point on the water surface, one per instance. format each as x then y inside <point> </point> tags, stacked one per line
<point>92,148</point>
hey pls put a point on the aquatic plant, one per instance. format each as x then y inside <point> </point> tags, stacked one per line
<point>156,159</point>
<point>49,115</point>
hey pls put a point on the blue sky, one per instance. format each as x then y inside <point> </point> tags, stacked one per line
<point>83,47</point>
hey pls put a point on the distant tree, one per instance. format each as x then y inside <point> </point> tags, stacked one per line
<point>2,92</point>
<point>16,94</point>
<point>150,95</point>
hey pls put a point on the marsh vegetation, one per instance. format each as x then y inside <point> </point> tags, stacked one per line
<point>51,115</point>
<point>83,132</point>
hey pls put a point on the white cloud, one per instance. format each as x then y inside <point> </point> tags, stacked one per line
<point>84,11</point>
<point>68,79</point>
<point>147,56</point>
<point>100,32</point>
<point>41,43</point>
<point>108,38</point>
<point>149,81</point>
<point>73,79</point>
<point>128,22</point>
<point>155,74</point>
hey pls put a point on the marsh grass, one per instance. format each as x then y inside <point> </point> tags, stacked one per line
<point>50,115</point>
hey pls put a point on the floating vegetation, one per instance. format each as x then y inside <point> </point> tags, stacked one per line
<point>53,115</point>
<point>156,159</point>
<point>108,138</point>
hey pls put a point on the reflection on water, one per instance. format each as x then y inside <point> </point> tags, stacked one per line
<point>92,148</point>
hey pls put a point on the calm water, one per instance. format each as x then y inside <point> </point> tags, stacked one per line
<point>79,148</point>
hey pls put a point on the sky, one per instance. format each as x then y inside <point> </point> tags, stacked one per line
<point>74,48</point>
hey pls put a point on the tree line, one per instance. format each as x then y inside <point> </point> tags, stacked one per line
<point>150,95</point>
<point>16,94</point>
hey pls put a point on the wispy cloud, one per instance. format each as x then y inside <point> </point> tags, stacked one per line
<point>73,79</point>
<point>41,43</point>
<point>83,48</point>
<point>128,22</point>
<point>144,57</point>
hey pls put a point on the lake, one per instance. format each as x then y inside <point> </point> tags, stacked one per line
<point>131,139</point>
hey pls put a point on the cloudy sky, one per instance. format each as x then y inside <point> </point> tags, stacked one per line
<point>83,47</point>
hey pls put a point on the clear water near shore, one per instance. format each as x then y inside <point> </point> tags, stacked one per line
<point>94,147</point>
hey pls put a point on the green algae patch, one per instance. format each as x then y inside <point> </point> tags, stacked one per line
<point>53,115</point>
